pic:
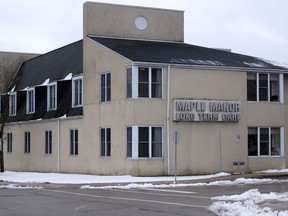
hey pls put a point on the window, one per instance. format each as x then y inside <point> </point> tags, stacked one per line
<point>265,141</point>
<point>9,142</point>
<point>105,87</point>
<point>30,101</point>
<point>147,142</point>
<point>27,142</point>
<point>264,87</point>
<point>12,104</point>
<point>129,82</point>
<point>145,82</point>
<point>105,142</point>
<point>52,97</point>
<point>48,142</point>
<point>73,142</point>
<point>77,92</point>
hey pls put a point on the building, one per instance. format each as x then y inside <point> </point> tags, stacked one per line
<point>117,101</point>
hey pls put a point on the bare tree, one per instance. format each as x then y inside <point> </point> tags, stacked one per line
<point>8,67</point>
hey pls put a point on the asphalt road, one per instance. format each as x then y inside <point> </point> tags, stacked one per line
<point>73,201</point>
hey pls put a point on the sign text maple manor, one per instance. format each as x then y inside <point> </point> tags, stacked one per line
<point>206,110</point>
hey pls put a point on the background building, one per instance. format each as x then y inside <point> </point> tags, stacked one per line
<point>110,103</point>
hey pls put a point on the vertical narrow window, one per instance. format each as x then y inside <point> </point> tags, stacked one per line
<point>143,141</point>
<point>77,92</point>
<point>251,86</point>
<point>252,141</point>
<point>263,87</point>
<point>52,97</point>
<point>274,88</point>
<point>30,101</point>
<point>12,104</point>
<point>48,142</point>
<point>9,142</point>
<point>27,142</point>
<point>275,142</point>
<point>105,87</point>
<point>143,82</point>
<point>129,82</point>
<point>264,141</point>
<point>156,84</point>
<point>156,142</point>
<point>129,141</point>
<point>73,142</point>
<point>105,142</point>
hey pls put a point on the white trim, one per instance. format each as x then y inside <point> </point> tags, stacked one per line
<point>134,82</point>
<point>49,94</point>
<point>14,111</point>
<point>281,88</point>
<point>134,142</point>
<point>282,138</point>
<point>76,78</point>
<point>30,110</point>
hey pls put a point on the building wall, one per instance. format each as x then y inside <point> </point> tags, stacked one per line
<point>161,24</point>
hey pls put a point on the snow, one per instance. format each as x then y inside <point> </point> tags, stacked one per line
<point>14,186</point>
<point>46,82</point>
<point>274,171</point>
<point>61,178</point>
<point>248,204</point>
<point>68,77</point>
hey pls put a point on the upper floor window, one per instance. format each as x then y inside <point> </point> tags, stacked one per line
<point>145,82</point>
<point>52,97</point>
<point>265,87</point>
<point>105,87</point>
<point>30,101</point>
<point>77,91</point>
<point>12,104</point>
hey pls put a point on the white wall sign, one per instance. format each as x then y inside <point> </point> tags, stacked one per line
<point>206,110</point>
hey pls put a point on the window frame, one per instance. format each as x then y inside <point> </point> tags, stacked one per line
<point>13,104</point>
<point>134,142</point>
<point>106,89</point>
<point>74,143</point>
<point>27,142</point>
<point>49,99</point>
<point>261,142</point>
<point>133,83</point>
<point>9,142</point>
<point>30,101</point>
<point>79,97</point>
<point>48,142</point>
<point>105,145</point>
<point>258,87</point>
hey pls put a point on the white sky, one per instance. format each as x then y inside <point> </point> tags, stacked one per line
<point>252,27</point>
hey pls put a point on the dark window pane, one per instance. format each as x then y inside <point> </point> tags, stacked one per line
<point>156,90</point>
<point>252,142</point>
<point>143,75</point>
<point>129,82</point>
<point>275,142</point>
<point>274,87</point>
<point>129,141</point>
<point>264,141</point>
<point>143,141</point>
<point>263,87</point>
<point>143,89</point>
<point>156,142</point>
<point>143,149</point>
<point>251,87</point>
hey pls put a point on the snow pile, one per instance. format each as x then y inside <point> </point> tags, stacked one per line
<point>275,171</point>
<point>248,204</point>
<point>61,178</point>
<point>239,181</point>
<point>13,186</point>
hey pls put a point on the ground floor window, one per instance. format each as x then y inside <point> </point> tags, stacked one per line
<point>265,141</point>
<point>105,142</point>
<point>73,142</point>
<point>144,142</point>
<point>48,142</point>
<point>27,142</point>
<point>9,142</point>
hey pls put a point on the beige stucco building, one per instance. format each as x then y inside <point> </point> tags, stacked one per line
<point>117,101</point>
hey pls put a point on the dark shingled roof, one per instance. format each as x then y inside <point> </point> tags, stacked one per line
<point>180,53</point>
<point>55,65</point>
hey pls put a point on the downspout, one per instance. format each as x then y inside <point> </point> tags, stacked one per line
<point>58,159</point>
<point>168,120</point>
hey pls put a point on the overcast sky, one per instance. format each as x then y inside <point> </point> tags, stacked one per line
<point>252,27</point>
